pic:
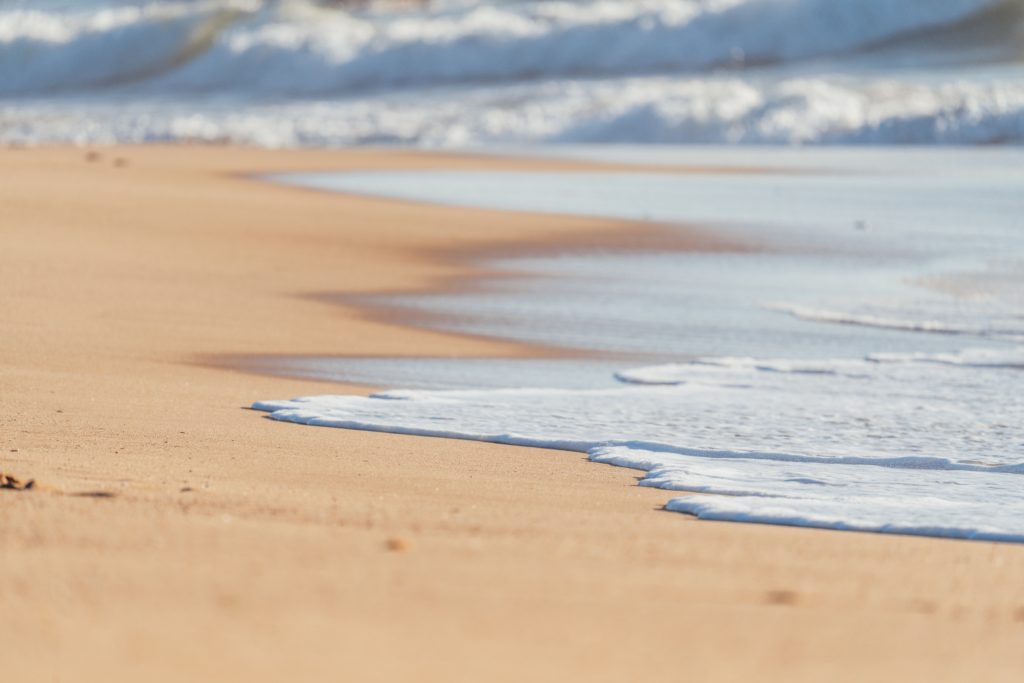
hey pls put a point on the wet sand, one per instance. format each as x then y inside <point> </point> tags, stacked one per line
<point>174,535</point>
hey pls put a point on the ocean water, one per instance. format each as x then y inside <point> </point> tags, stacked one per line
<point>858,368</point>
<point>458,73</point>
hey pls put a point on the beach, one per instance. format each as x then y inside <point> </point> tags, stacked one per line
<point>174,534</point>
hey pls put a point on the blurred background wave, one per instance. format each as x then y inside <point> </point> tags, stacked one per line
<point>474,72</point>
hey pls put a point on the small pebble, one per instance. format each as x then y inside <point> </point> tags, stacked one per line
<point>397,544</point>
<point>782,597</point>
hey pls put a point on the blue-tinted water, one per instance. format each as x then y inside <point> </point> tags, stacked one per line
<point>859,370</point>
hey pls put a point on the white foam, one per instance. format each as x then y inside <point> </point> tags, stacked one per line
<point>733,371</point>
<point>974,323</point>
<point>834,496</point>
<point>716,110</point>
<point>900,447</point>
<point>1011,357</point>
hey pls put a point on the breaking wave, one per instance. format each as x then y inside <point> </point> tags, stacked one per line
<point>300,48</point>
<point>472,73</point>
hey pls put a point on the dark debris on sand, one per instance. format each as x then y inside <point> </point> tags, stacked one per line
<point>15,484</point>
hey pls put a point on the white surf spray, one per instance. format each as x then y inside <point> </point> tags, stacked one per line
<point>297,73</point>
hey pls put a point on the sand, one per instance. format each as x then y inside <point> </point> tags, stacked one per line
<point>174,535</point>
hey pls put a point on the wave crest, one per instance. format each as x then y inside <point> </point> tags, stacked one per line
<point>296,48</point>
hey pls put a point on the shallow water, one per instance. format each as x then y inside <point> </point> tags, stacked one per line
<point>860,371</point>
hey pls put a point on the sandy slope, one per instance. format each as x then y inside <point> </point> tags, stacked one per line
<point>231,547</point>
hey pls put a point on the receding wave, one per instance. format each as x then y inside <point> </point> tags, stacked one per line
<point>972,328</point>
<point>891,447</point>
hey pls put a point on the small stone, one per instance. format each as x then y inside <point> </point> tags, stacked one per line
<point>397,544</point>
<point>782,597</point>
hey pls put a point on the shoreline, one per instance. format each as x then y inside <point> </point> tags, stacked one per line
<point>262,549</point>
<point>468,269</point>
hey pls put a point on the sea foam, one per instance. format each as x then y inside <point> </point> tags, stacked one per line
<point>893,447</point>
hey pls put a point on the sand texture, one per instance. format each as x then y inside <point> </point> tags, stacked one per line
<point>172,535</point>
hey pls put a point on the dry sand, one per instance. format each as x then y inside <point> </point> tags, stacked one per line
<point>173,535</point>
